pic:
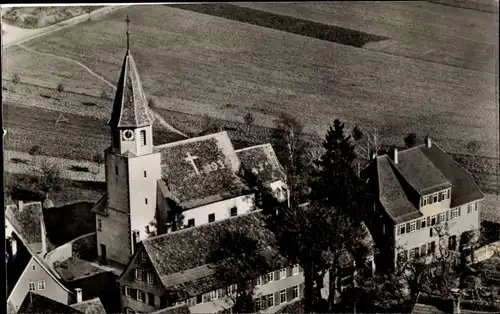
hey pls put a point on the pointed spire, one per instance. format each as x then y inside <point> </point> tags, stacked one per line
<point>128,33</point>
<point>130,108</point>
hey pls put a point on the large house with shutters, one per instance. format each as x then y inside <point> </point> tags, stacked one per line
<point>417,200</point>
<point>172,269</point>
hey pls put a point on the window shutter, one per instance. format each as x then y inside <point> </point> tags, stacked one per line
<point>276,298</point>
<point>459,210</point>
<point>407,227</point>
<point>438,217</point>
<point>398,229</point>
<point>418,224</point>
<point>277,275</point>
<point>428,221</point>
<point>300,269</point>
<point>263,302</point>
<point>264,279</point>
<point>301,290</point>
<point>289,272</point>
<point>289,294</point>
<point>133,293</point>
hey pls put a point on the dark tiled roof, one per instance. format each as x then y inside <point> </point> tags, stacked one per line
<point>101,207</point>
<point>93,306</point>
<point>391,192</point>
<point>177,309</point>
<point>35,303</point>
<point>217,165</point>
<point>261,160</point>
<point>463,187</point>
<point>27,220</point>
<point>130,108</point>
<point>180,257</point>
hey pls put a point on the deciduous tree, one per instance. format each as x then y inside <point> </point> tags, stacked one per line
<point>410,140</point>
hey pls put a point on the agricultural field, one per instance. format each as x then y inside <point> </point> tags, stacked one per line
<point>200,64</point>
<point>37,17</point>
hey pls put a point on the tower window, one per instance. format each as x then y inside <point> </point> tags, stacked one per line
<point>211,217</point>
<point>145,174</point>
<point>146,201</point>
<point>116,170</point>
<point>143,137</point>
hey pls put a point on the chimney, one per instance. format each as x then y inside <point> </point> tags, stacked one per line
<point>20,205</point>
<point>428,142</point>
<point>79,297</point>
<point>135,239</point>
<point>456,300</point>
<point>13,246</point>
<point>395,155</point>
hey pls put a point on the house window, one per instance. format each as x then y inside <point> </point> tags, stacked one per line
<point>412,254</point>
<point>283,273</point>
<point>140,296</point>
<point>447,194</point>
<point>454,213</point>
<point>426,200</point>
<point>145,174</point>
<point>99,224</point>
<point>402,229</point>
<point>41,285</point>
<point>440,197</point>
<point>442,217</point>
<point>422,223</point>
<point>433,220</point>
<point>423,249</point>
<point>32,286</point>
<point>138,274</point>
<point>234,211</point>
<point>295,269</point>
<point>257,304</point>
<point>199,299</point>
<point>270,300</point>
<point>127,291</point>
<point>146,201</point>
<point>295,292</point>
<point>151,299</point>
<point>417,252</point>
<point>150,278</point>
<point>282,296</point>
<point>270,277</point>
<point>435,197</point>
<point>33,267</point>
<point>211,217</point>
<point>143,137</point>
<point>431,247</point>
<point>191,222</point>
<point>258,281</point>
<point>413,226</point>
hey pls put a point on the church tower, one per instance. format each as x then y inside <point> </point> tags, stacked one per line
<point>132,169</point>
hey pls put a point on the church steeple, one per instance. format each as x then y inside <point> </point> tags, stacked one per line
<point>130,108</point>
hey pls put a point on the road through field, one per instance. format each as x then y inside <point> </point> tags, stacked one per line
<point>16,35</point>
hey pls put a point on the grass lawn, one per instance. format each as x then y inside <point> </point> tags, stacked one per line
<point>196,63</point>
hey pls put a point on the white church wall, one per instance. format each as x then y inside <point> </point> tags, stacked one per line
<point>222,209</point>
<point>144,171</point>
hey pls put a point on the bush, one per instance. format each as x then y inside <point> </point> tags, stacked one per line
<point>249,118</point>
<point>152,103</point>
<point>31,21</point>
<point>16,79</point>
<point>60,87</point>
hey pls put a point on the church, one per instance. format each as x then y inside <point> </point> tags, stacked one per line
<point>153,190</point>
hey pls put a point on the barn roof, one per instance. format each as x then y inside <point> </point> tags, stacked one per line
<point>201,170</point>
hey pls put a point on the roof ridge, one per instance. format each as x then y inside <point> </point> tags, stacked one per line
<point>252,147</point>
<point>218,222</point>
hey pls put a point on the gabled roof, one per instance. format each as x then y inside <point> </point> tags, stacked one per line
<point>101,207</point>
<point>180,258</point>
<point>201,170</point>
<point>130,107</point>
<point>420,170</point>
<point>36,304</point>
<point>261,160</point>
<point>93,306</point>
<point>39,260</point>
<point>391,192</point>
<point>176,309</point>
<point>27,220</point>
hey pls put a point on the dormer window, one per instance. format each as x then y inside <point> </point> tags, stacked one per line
<point>425,200</point>
<point>447,194</point>
<point>435,197</point>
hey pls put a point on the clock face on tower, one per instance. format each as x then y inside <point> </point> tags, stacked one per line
<point>128,135</point>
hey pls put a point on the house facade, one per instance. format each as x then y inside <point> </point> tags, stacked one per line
<point>157,189</point>
<point>419,200</point>
<point>171,269</point>
<point>27,272</point>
